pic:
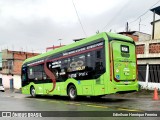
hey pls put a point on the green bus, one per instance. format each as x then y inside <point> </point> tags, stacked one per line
<point>95,66</point>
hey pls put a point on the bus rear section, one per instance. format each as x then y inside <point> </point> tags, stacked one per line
<point>123,67</point>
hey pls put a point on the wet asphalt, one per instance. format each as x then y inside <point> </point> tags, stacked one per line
<point>15,101</point>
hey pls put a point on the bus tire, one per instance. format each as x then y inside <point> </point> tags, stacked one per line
<point>33,92</point>
<point>2,90</point>
<point>72,92</point>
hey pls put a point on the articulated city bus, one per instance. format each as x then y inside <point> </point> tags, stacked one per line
<point>95,66</point>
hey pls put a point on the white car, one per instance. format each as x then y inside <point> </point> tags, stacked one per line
<point>1,88</point>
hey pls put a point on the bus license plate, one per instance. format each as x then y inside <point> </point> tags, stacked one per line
<point>126,82</point>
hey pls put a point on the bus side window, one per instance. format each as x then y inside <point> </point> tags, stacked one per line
<point>38,72</point>
<point>99,66</point>
<point>45,77</point>
<point>98,54</point>
<point>63,69</point>
<point>99,63</point>
<point>89,59</point>
<point>35,72</point>
<point>30,73</point>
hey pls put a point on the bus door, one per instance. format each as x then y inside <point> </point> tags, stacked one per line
<point>24,76</point>
<point>124,61</point>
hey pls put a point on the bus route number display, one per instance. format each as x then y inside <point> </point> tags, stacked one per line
<point>125,48</point>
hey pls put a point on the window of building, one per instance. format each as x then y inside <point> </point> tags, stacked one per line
<point>141,72</point>
<point>10,64</point>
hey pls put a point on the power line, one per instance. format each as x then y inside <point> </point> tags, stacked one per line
<point>79,18</point>
<point>144,12</point>
<point>113,18</point>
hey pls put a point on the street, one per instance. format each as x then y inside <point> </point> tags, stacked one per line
<point>15,101</point>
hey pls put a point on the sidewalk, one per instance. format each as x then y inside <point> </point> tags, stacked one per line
<point>7,90</point>
<point>139,94</point>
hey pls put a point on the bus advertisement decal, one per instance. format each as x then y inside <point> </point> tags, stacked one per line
<point>50,75</point>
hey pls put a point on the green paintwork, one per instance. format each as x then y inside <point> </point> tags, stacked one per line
<point>125,68</point>
<point>105,84</point>
<point>89,39</point>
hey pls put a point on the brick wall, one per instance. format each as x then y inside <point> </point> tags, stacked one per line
<point>154,48</point>
<point>140,49</point>
<point>23,55</point>
<point>151,49</point>
<point>13,60</point>
<point>17,67</point>
<point>134,37</point>
<point>31,54</point>
<point>19,57</point>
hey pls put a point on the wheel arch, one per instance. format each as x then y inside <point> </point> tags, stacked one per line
<point>70,85</point>
<point>31,87</point>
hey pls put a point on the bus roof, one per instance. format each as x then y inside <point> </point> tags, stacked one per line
<point>86,40</point>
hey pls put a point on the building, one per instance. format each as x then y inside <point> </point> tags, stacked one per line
<point>148,54</point>
<point>156,23</point>
<point>0,61</point>
<point>137,36</point>
<point>148,58</point>
<point>0,66</point>
<point>53,47</point>
<point>11,67</point>
<point>156,29</point>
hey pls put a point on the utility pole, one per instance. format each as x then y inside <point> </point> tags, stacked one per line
<point>97,32</point>
<point>153,24</point>
<point>155,11</point>
<point>139,24</point>
<point>127,27</point>
<point>60,41</point>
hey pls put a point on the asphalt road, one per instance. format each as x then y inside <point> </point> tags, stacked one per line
<point>12,101</point>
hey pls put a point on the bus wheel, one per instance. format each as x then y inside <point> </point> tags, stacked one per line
<point>72,92</point>
<point>33,92</point>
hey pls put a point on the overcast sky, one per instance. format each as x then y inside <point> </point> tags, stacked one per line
<point>33,25</point>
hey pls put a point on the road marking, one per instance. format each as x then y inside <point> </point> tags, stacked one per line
<point>86,104</point>
<point>8,96</point>
<point>126,109</point>
<point>97,106</point>
<point>89,105</point>
<point>54,101</point>
<point>72,103</point>
<point>40,100</point>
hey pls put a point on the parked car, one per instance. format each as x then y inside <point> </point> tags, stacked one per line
<point>1,86</point>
